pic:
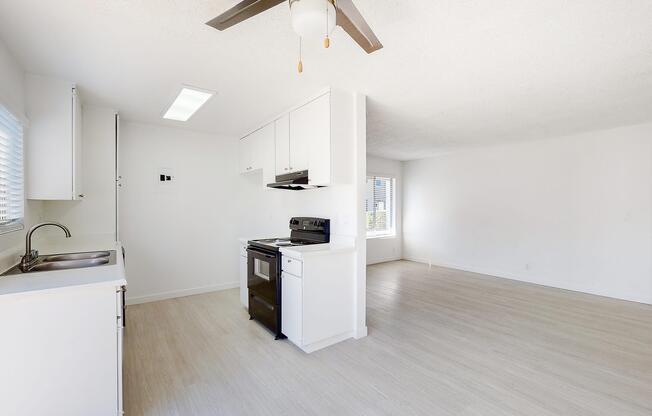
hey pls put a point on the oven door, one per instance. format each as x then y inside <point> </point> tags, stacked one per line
<point>262,274</point>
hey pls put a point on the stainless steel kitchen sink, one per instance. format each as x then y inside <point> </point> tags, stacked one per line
<point>66,261</point>
<point>68,264</point>
<point>77,256</point>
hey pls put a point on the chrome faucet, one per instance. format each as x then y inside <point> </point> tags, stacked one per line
<point>31,255</point>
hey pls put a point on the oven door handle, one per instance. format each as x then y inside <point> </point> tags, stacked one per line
<point>262,253</point>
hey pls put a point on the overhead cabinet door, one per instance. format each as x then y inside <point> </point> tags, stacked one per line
<point>54,155</point>
<point>282,144</point>
<point>245,154</point>
<point>253,148</point>
<point>310,138</point>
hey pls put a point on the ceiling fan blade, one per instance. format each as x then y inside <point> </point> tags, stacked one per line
<point>242,11</point>
<point>350,19</point>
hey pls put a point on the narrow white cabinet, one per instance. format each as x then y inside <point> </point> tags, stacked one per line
<point>253,149</point>
<point>291,310</point>
<point>54,153</point>
<point>244,292</point>
<point>282,144</point>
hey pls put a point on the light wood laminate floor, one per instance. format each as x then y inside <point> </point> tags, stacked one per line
<point>441,342</point>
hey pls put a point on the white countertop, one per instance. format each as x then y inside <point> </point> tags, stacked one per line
<point>113,275</point>
<point>317,250</point>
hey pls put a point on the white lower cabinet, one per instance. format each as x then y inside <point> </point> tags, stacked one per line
<point>62,352</point>
<point>317,299</point>
<point>291,308</point>
<point>244,293</point>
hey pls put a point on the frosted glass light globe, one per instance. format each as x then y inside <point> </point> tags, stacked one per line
<point>309,17</point>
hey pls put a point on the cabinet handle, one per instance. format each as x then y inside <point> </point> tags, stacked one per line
<point>81,195</point>
<point>285,168</point>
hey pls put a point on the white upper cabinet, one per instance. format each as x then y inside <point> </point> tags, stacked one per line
<point>304,139</point>
<point>77,157</point>
<point>310,140</point>
<point>282,145</point>
<point>245,154</point>
<point>255,148</point>
<point>54,151</point>
<point>301,133</point>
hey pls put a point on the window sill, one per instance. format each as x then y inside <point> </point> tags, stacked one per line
<point>6,229</point>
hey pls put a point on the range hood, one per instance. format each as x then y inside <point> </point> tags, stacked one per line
<point>295,181</point>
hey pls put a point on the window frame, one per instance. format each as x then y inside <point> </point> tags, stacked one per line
<point>391,233</point>
<point>17,224</point>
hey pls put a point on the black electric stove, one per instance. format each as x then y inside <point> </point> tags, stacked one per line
<point>264,268</point>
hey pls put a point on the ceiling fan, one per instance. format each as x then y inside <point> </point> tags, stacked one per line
<point>310,18</point>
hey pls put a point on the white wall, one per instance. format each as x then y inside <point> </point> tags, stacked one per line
<point>180,237</point>
<point>382,249</point>
<point>93,218</point>
<point>571,212</point>
<point>12,96</point>
<point>183,237</point>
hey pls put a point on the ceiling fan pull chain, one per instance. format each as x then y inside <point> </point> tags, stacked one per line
<point>327,41</point>
<point>300,66</point>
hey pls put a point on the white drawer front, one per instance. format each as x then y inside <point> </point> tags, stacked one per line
<point>292,266</point>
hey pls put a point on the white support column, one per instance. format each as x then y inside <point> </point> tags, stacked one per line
<point>361,243</point>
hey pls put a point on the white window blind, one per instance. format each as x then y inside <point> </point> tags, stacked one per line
<point>11,172</point>
<point>379,204</point>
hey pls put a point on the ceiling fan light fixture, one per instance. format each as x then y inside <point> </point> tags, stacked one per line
<point>311,18</point>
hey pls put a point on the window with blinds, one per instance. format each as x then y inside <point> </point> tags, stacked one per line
<point>11,172</point>
<point>379,204</point>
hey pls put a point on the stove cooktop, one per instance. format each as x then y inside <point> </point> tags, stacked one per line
<point>282,242</point>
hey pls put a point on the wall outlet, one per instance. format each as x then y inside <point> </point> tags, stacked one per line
<point>164,176</point>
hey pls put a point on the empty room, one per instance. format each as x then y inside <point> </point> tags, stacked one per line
<point>326,207</point>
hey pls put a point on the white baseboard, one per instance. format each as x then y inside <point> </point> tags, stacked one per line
<point>384,260</point>
<point>361,333</point>
<point>533,280</point>
<point>326,342</point>
<point>180,293</point>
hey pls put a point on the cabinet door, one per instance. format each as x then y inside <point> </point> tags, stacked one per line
<point>244,293</point>
<point>319,150</point>
<point>300,132</point>
<point>244,154</point>
<point>267,150</point>
<point>120,327</point>
<point>309,127</point>
<point>77,156</point>
<point>261,142</point>
<point>291,308</point>
<point>282,144</point>
<point>49,173</point>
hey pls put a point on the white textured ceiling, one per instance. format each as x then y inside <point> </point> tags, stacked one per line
<point>453,73</point>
